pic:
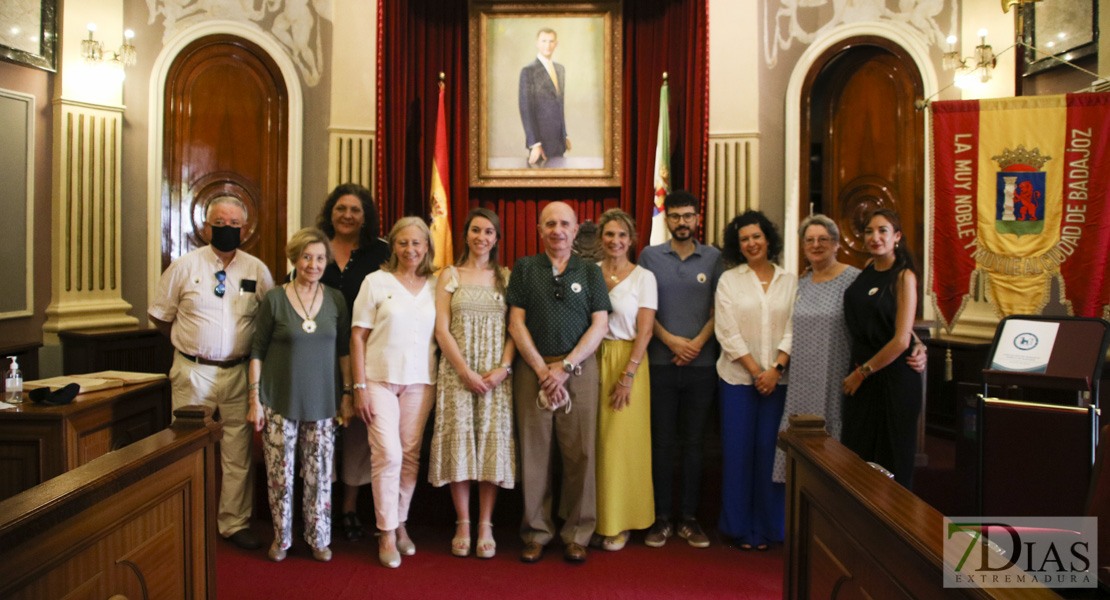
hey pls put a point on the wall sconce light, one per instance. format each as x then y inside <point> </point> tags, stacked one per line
<point>984,59</point>
<point>93,51</point>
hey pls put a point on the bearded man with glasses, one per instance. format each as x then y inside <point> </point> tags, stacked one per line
<point>682,355</point>
<point>206,303</point>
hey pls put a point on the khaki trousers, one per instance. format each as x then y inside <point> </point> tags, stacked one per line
<point>226,390</point>
<point>575,434</point>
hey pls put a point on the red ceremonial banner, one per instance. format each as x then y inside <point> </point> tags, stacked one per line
<point>1020,192</point>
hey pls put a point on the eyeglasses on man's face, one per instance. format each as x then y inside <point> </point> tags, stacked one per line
<point>688,217</point>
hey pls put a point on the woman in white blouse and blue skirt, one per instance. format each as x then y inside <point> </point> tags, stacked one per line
<point>393,350</point>
<point>753,321</point>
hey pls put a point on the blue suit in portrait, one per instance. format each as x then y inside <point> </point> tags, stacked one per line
<point>541,108</point>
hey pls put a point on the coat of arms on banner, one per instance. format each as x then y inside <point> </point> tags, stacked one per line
<point>1021,191</point>
<point>1040,166</point>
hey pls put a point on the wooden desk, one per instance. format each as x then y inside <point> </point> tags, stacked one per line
<point>39,442</point>
<point>139,522</point>
<point>851,532</point>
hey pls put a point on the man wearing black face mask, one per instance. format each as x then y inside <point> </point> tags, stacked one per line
<point>206,303</point>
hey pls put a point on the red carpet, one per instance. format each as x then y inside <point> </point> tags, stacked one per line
<point>674,571</point>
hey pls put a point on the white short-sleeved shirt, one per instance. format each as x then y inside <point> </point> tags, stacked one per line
<point>205,324</point>
<point>402,346</point>
<point>748,320</point>
<point>636,291</point>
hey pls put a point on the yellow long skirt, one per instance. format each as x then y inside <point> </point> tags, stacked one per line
<point>624,489</point>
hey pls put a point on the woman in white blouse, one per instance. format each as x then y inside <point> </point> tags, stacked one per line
<point>624,488</point>
<point>393,350</point>
<point>753,322</point>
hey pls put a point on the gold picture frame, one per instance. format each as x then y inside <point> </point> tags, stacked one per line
<point>515,104</point>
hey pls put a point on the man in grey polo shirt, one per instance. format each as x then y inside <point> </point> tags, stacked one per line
<point>559,312</point>
<point>682,354</point>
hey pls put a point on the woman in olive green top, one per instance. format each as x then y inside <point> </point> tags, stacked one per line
<point>300,352</point>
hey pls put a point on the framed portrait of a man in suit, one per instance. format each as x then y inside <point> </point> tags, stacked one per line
<point>545,91</point>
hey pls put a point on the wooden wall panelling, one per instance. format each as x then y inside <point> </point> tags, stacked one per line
<point>139,522</point>
<point>140,349</point>
<point>851,532</point>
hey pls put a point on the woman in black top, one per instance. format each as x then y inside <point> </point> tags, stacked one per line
<point>350,220</point>
<point>884,393</point>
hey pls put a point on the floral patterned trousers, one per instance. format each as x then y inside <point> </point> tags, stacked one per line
<point>315,441</point>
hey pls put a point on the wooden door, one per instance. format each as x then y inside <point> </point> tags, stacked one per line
<point>225,134</point>
<point>863,142</point>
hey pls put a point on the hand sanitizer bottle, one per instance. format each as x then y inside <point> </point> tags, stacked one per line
<point>13,385</point>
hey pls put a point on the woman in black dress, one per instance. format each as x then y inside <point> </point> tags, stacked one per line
<point>349,218</point>
<point>884,393</point>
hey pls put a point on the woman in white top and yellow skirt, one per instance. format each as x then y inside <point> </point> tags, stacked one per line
<point>624,487</point>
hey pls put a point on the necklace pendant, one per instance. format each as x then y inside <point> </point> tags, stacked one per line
<point>309,325</point>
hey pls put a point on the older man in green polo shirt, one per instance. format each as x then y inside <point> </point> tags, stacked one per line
<point>559,312</point>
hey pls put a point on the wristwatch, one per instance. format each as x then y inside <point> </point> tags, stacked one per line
<point>865,370</point>
<point>571,368</point>
<point>781,368</point>
<point>359,386</point>
<point>508,368</point>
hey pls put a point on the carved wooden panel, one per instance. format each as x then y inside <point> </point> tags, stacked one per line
<point>225,135</point>
<point>853,533</point>
<point>20,466</point>
<point>863,142</point>
<point>137,523</point>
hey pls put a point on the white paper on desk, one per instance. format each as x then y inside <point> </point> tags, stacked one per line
<point>1025,346</point>
<point>4,405</point>
<point>127,377</point>
<point>88,384</point>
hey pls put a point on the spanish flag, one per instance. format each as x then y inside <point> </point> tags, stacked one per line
<point>441,221</point>
<point>1022,199</point>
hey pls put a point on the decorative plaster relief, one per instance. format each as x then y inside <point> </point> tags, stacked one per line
<point>919,15</point>
<point>295,24</point>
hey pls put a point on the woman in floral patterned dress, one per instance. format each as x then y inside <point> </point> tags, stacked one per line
<point>473,439</point>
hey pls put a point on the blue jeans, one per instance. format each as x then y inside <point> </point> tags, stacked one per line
<point>753,508</point>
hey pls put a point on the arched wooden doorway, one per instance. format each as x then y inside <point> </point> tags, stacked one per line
<point>862,141</point>
<point>225,134</point>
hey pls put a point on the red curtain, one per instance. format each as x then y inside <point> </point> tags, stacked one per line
<point>418,39</point>
<point>660,36</point>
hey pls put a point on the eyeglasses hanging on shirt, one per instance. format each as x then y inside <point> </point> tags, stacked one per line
<point>221,287</point>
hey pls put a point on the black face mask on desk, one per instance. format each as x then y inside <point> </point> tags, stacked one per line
<point>60,397</point>
<point>226,238</point>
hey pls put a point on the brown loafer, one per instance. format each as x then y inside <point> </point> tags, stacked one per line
<point>532,552</point>
<point>575,553</point>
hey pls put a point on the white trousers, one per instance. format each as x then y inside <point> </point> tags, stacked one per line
<point>225,390</point>
<point>400,412</point>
